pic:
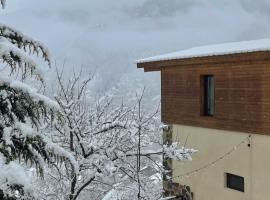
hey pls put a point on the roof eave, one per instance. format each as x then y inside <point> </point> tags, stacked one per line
<point>216,59</point>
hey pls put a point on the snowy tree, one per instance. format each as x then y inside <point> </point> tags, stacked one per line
<point>109,150</point>
<point>25,115</point>
<point>118,148</point>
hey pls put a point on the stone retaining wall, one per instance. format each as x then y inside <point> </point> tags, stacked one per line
<point>179,192</point>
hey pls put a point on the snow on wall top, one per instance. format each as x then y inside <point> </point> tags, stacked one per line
<point>214,50</point>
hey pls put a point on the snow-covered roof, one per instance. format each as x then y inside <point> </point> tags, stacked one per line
<point>214,50</point>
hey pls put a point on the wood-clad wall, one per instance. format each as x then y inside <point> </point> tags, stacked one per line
<point>242,95</point>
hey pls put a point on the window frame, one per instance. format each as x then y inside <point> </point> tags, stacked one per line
<point>229,185</point>
<point>207,95</point>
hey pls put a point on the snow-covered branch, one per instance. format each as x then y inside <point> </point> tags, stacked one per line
<point>20,87</point>
<point>3,3</point>
<point>173,151</point>
<point>24,42</point>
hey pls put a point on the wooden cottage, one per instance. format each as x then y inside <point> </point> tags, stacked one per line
<point>217,99</point>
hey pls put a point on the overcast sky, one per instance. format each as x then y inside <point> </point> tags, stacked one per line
<point>109,35</point>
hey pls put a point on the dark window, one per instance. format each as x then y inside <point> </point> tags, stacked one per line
<point>208,95</point>
<point>235,182</point>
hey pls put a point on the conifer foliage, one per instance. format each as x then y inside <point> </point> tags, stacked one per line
<point>25,116</point>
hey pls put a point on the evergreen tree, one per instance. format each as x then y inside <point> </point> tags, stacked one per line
<point>25,116</point>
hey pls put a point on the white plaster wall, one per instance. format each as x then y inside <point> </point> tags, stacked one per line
<point>253,163</point>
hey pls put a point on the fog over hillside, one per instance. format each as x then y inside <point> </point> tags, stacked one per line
<point>108,36</point>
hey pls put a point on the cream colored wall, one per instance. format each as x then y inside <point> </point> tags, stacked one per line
<point>253,163</point>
